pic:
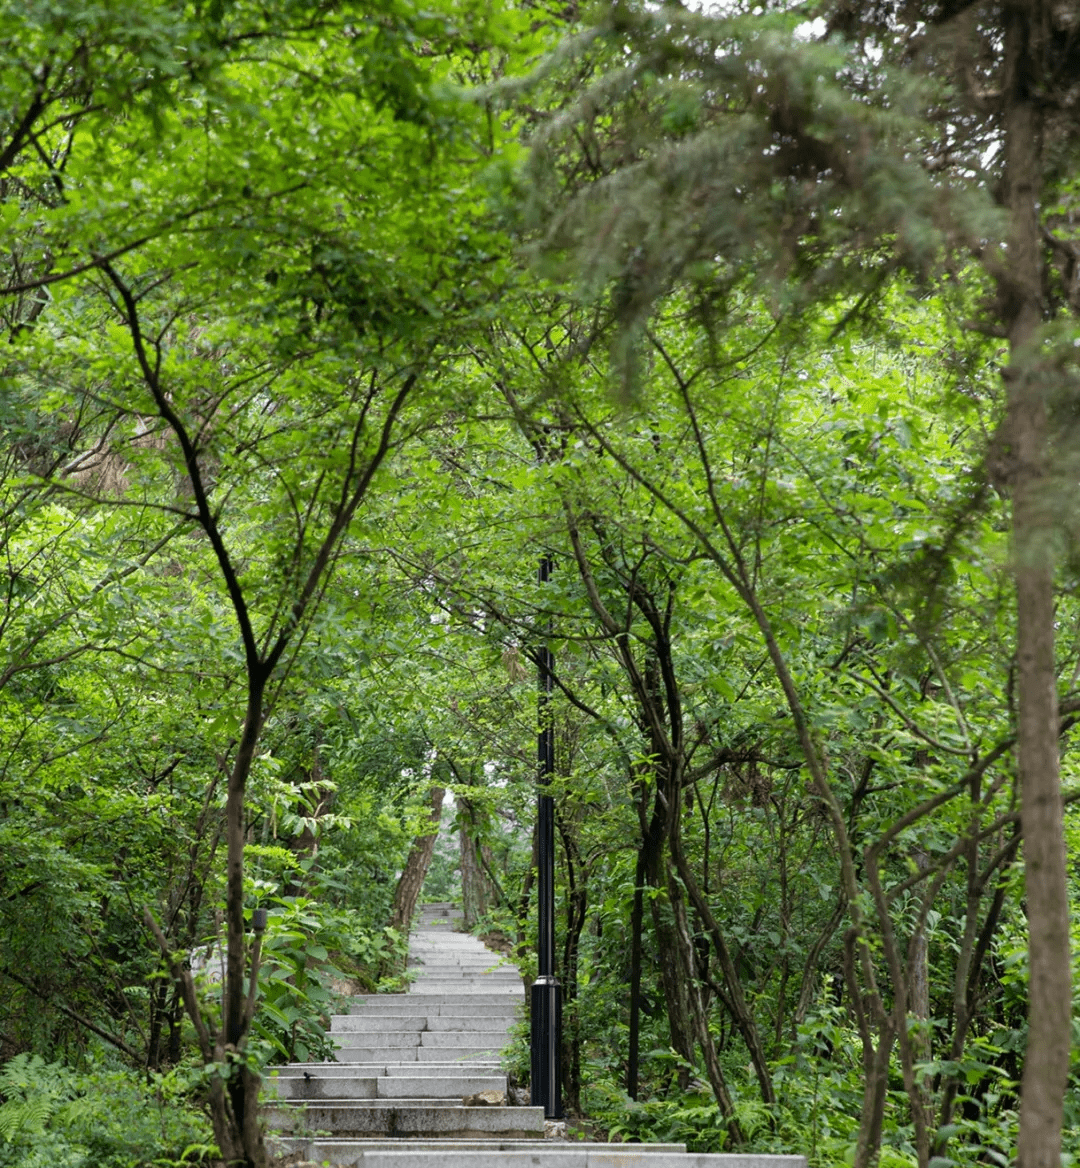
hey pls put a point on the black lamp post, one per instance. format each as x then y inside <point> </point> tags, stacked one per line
<point>545,1006</point>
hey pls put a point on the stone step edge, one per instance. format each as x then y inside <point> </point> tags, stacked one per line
<point>357,1086</point>
<point>428,1039</point>
<point>410,1021</point>
<point>360,1056</point>
<point>479,1038</point>
<point>401,996</point>
<point>353,1068</point>
<point>572,1156</point>
<point>380,1103</point>
<point>494,1144</point>
<point>389,1104</point>
<point>405,1024</point>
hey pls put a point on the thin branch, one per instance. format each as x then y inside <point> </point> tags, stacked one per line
<point>887,698</point>
<point>207,519</point>
<point>119,1043</point>
<point>186,985</point>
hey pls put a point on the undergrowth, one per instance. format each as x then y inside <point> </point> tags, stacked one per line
<point>54,1117</point>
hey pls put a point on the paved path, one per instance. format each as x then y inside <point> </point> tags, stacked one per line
<point>418,1082</point>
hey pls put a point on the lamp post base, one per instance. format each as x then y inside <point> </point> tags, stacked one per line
<point>545,1022</point>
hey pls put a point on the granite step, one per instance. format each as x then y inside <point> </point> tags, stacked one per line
<point>462,985</point>
<point>485,1039</point>
<point>408,1069</point>
<point>364,1023</point>
<point>322,1086</point>
<point>444,1005</point>
<point>347,1153</point>
<point>417,1054</point>
<point>546,1154</point>
<point>404,1118</point>
<point>488,1036</point>
<point>494,1144</point>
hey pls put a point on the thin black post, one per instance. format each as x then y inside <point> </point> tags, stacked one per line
<point>545,1013</point>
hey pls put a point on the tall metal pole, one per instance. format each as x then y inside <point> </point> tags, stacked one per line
<point>545,1013</point>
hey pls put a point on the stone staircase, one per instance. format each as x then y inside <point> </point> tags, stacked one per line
<point>419,1065</point>
<point>418,1082</point>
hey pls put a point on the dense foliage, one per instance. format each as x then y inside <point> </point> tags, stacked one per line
<point>325,323</point>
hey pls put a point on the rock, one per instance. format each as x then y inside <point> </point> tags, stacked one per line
<point>484,1099</point>
<point>519,1096</point>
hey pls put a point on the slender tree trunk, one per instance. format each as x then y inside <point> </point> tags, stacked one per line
<point>176,1021</point>
<point>919,976</point>
<point>473,900</point>
<point>521,941</point>
<point>637,915</point>
<point>680,1025</point>
<point>964,997</point>
<point>683,957</point>
<point>740,1011</point>
<point>158,999</point>
<point>676,989</point>
<point>1046,1062</point>
<point>477,892</point>
<point>698,1011</point>
<point>918,969</point>
<point>872,1119</point>
<point>808,984</point>
<point>411,883</point>
<point>235,1106</point>
<point>577,904</point>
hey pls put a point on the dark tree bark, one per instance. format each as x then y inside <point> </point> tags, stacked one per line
<point>674,981</point>
<point>736,999</point>
<point>477,893</point>
<point>683,958</point>
<point>637,915</point>
<point>577,906</point>
<point>673,977</point>
<point>411,882</point>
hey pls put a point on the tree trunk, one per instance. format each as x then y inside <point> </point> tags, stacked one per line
<point>234,1107</point>
<point>872,1119</point>
<point>676,989</point>
<point>477,891</point>
<point>637,915</point>
<point>680,1026</point>
<point>158,999</point>
<point>918,971</point>
<point>919,976</point>
<point>972,953</point>
<point>808,982</point>
<point>473,899</point>
<point>683,956</point>
<point>1046,1062</point>
<point>740,1011</point>
<point>521,941</point>
<point>411,883</point>
<point>577,903</point>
